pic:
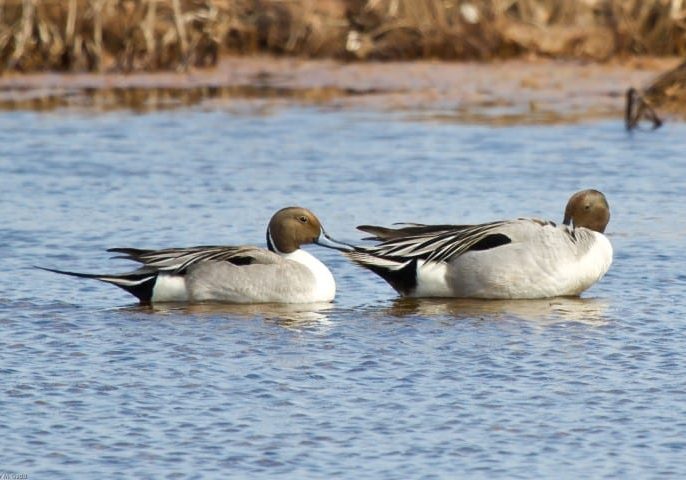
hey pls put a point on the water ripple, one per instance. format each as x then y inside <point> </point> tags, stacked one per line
<point>370,386</point>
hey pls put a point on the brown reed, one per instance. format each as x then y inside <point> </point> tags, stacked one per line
<point>132,35</point>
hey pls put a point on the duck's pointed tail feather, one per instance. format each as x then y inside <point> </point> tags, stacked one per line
<point>138,283</point>
<point>402,276</point>
<point>383,234</point>
<point>134,254</point>
<point>379,233</point>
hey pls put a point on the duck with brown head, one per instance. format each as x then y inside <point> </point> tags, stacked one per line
<point>588,209</point>
<point>292,227</point>
<point>522,258</point>
<point>282,273</point>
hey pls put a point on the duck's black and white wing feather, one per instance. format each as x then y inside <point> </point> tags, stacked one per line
<point>381,234</point>
<point>172,262</point>
<point>434,243</point>
<point>178,260</point>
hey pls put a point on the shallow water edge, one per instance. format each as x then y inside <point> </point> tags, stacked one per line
<point>536,91</point>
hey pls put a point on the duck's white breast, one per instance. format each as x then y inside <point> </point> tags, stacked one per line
<point>595,263</point>
<point>324,288</point>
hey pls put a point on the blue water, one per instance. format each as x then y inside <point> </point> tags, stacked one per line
<point>93,386</point>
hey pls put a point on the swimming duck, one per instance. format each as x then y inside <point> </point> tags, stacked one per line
<point>522,258</point>
<point>282,273</point>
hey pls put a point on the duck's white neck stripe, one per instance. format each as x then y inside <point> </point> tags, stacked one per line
<point>271,246</point>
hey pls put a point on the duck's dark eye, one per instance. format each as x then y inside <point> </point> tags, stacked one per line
<point>587,207</point>
<point>302,219</point>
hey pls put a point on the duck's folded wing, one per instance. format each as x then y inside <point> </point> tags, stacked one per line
<point>177,260</point>
<point>409,229</point>
<point>439,242</point>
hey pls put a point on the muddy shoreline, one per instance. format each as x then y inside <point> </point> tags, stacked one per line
<point>500,92</point>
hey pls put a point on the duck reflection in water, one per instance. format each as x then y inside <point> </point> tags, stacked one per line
<point>291,316</point>
<point>591,311</point>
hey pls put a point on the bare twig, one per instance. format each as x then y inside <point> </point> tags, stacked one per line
<point>181,32</point>
<point>24,36</point>
<point>98,6</point>
<point>149,30</point>
<point>71,24</point>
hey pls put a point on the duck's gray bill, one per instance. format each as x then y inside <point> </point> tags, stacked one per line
<point>326,241</point>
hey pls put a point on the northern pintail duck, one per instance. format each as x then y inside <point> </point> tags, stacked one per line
<point>523,258</point>
<point>282,273</point>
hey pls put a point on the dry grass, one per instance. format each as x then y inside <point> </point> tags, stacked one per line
<point>596,29</point>
<point>128,35</point>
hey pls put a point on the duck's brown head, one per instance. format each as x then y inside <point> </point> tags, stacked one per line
<point>292,227</point>
<point>589,209</point>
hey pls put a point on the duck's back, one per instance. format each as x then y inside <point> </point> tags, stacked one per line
<point>281,280</point>
<point>541,260</point>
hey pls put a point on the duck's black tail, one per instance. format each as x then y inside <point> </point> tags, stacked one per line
<point>139,283</point>
<point>402,276</point>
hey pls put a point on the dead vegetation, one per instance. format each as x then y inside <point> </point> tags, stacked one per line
<point>134,35</point>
